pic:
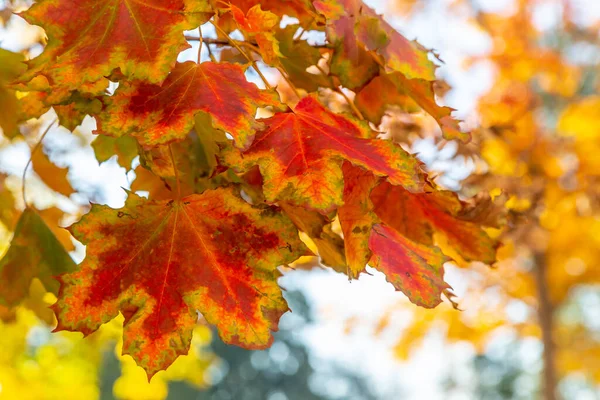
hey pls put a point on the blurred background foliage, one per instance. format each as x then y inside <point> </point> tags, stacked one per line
<point>537,132</point>
<point>530,323</point>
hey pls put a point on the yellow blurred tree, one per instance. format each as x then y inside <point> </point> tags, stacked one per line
<point>539,140</point>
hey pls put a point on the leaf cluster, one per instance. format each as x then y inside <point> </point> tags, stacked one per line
<point>236,172</point>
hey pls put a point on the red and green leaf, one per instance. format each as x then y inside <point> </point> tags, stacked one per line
<point>157,262</point>
<point>88,39</point>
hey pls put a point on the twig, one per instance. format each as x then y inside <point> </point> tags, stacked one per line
<point>283,73</point>
<point>211,55</point>
<point>220,42</point>
<point>302,30</point>
<point>200,44</point>
<point>35,148</point>
<point>217,42</point>
<point>281,70</point>
<point>243,53</point>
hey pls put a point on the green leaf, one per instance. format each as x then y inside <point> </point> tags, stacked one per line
<point>34,253</point>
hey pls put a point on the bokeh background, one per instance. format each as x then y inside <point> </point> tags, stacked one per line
<point>523,76</point>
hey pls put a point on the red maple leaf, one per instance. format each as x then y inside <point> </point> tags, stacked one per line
<point>419,216</point>
<point>157,262</point>
<point>161,114</point>
<point>300,155</point>
<point>88,39</point>
<point>413,268</point>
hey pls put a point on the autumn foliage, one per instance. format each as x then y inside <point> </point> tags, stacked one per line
<point>237,172</point>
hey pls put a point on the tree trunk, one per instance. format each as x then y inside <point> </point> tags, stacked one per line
<point>545,313</point>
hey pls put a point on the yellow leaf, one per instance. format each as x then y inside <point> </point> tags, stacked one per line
<point>53,176</point>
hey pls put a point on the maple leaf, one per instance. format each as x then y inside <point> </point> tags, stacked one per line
<point>188,164</point>
<point>8,213</point>
<point>354,29</point>
<point>161,114</point>
<point>317,227</point>
<point>146,181</point>
<point>357,217</point>
<point>405,56</point>
<point>71,107</point>
<point>300,155</point>
<point>415,216</point>
<point>413,268</point>
<point>34,252</point>
<point>301,9</point>
<point>419,216</point>
<point>351,62</point>
<point>125,148</point>
<point>259,24</point>
<point>297,57</point>
<point>158,262</point>
<point>53,176</point>
<point>410,94</point>
<point>87,39</point>
<point>11,65</point>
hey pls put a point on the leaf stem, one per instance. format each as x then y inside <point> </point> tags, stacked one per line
<point>176,172</point>
<point>303,29</point>
<point>210,54</point>
<point>200,44</point>
<point>341,92</point>
<point>281,70</point>
<point>350,103</point>
<point>220,42</point>
<point>289,82</point>
<point>299,35</point>
<point>35,148</point>
<point>217,42</point>
<point>243,53</point>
